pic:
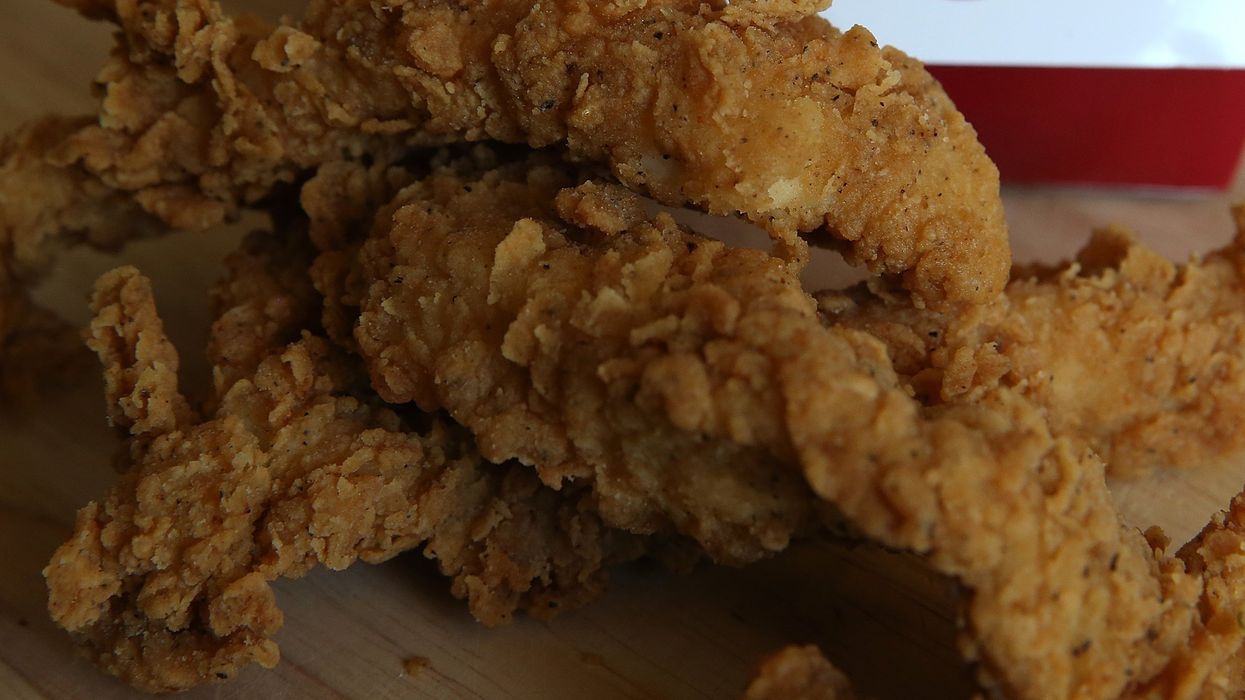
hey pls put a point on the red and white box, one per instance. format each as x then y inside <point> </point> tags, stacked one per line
<point>1103,92</point>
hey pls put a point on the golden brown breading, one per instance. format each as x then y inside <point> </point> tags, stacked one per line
<point>608,356</point>
<point>140,364</point>
<point>1122,348</point>
<point>541,350</point>
<point>341,201</point>
<point>763,109</point>
<point>1213,663</point>
<point>798,673</point>
<point>263,301</point>
<point>205,112</point>
<point>166,581</point>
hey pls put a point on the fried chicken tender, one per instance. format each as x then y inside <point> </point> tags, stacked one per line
<point>1213,664</point>
<point>568,330</point>
<point>1138,356</point>
<point>541,350</point>
<point>41,201</point>
<point>36,345</point>
<point>798,673</point>
<point>764,109</point>
<point>205,112</point>
<point>165,583</point>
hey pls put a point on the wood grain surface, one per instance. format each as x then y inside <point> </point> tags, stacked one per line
<point>886,621</point>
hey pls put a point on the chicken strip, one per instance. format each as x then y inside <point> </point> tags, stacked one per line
<point>510,349</point>
<point>1139,356</point>
<point>204,112</point>
<point>36,347</point>
<point>165,583</point>
<point>570,331</point>
<point>41,202</point>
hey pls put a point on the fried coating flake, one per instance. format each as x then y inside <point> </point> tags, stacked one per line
<point>798,673</point>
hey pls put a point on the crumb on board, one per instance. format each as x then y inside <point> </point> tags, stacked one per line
<point>414,665</point>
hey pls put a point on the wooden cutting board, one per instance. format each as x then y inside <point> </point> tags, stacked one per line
<point>886,621</point>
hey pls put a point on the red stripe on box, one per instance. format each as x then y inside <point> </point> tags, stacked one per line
<point>1177,127</point>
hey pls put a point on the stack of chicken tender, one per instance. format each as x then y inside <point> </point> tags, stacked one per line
<point>469,328</point>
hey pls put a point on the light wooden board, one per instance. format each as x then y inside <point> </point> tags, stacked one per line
<point>879,615</point>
